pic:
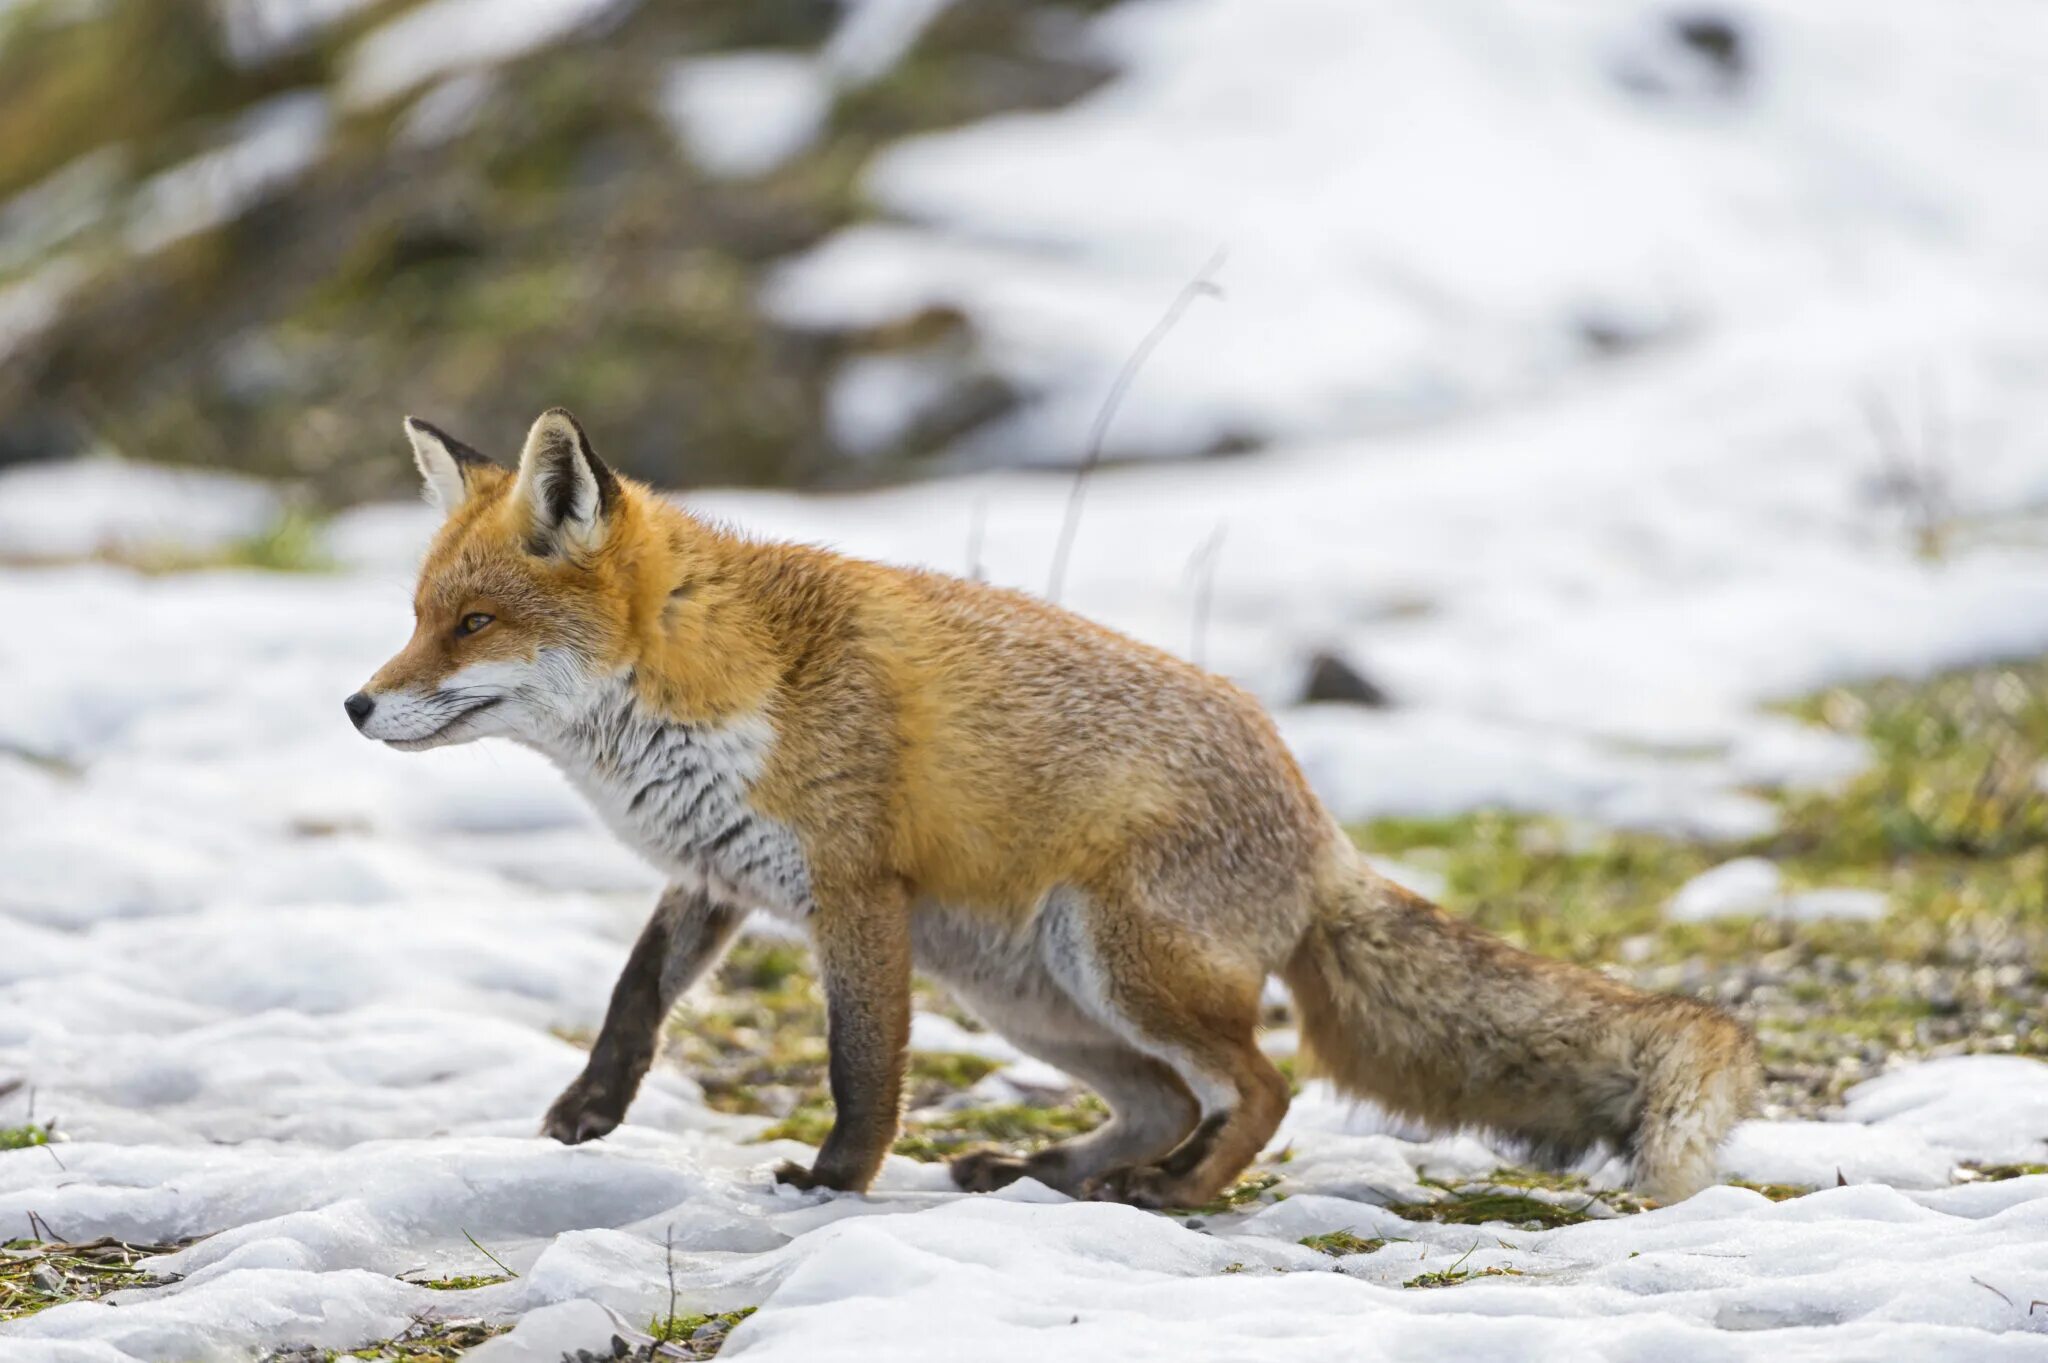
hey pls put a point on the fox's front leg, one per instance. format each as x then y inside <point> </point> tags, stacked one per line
<point>687,933</point>
<point>863,952</point>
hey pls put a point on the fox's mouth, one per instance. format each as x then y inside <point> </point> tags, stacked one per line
<point>433,740</point>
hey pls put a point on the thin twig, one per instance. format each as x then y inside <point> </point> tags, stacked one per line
<point>1201,286</point>
<point>668,1243</point>
<point>488,1255</point>
<point>1994,1291</point>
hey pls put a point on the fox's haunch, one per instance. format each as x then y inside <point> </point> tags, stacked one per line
<point>1437,1020</point>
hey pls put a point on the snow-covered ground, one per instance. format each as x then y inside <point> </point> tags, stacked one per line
<point>1726,352</point>
<point>294,993</point>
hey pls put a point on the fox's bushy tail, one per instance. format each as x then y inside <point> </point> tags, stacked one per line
<point>1440,1021</point>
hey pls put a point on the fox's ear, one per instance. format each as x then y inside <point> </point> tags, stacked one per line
<point>568,490</point>
<point>448,466</point>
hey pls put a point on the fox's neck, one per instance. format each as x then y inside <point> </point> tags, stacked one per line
<point>704,653</point>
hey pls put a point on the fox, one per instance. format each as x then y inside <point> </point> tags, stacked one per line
<point>1102,850</point>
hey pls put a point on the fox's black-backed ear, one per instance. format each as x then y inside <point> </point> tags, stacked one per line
<point>568,489</point>
<point>448,466</point>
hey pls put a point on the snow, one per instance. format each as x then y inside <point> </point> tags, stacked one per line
<point>103,505</point>
<point>745,113</point>
<point>1436,208</point>
<point>442,37</point>
<point>301,996</point>
<point>258,31</point>
<point>296,994</point>
<point>265,149</point>
<point>1750,887</point>
<point>29,305</point>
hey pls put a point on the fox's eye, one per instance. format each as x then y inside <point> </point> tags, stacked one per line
<point>471,623</point>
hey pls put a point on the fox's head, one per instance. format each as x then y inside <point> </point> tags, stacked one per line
<point>526,599</point>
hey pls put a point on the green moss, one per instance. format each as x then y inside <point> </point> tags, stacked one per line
<point>1014,1127</point>
<point>681,1330</point>
<point>463,1282</point>
<point>1452,1277</point>
<point>1776,1192</point>
<point>22,1137</point>
<point>35,1276</point>
<point>1339,1243</point>
<point>1998,1173</point>
<point>950,1071</point>
<point>1482,1208</point>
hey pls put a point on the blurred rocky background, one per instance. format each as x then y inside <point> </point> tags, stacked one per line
<point>249,233</point>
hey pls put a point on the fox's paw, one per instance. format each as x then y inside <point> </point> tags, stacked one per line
<point>819,1175</point>
<point>795,1175</point>
<point>1147,1186</point>
<point>584,1112</point>
<point>984,1171</point>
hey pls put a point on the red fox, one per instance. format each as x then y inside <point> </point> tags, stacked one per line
<point>1103,850</point>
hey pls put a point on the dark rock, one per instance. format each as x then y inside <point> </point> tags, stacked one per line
<point>1718,39</point>
<point>1331,678</point>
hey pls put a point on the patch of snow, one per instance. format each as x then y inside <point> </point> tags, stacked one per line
<point>441,37</point>
<point>875,400</point>
<point>551,1333</point>
<point>1987,1107</point>
<point>83,507</point>
<point>741,114</point>
<point>875,35</point>
<point>1445,208</point>
<point>940,1035</point>
<point>1747,887</point>
<point>28,306</point>
<point>1836,902</point>
<point>447,111</point>
<point>1751,887</point>
<point>266,149</point>
<point>1415,879</point>
<point>1816,1154</point>
<point>59,207</point>
<point>257,31</point>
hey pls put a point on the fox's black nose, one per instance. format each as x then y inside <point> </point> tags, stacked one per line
<point>359,707</point>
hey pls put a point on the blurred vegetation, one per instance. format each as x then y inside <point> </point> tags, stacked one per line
<point>560,248</point>
<point>1949,821</point>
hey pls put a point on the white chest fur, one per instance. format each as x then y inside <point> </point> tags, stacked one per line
<point>677,794</point>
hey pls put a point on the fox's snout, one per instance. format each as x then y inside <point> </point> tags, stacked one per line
<point>359,707</point>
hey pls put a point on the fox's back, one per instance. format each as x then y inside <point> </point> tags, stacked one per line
<point>1026,745</point>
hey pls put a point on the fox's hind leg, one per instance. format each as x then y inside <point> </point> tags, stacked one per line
<point>687,933</point>
<point>1192,1005</point>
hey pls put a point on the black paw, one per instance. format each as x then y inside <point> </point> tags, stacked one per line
<point>818,1176</point>
<point>584,1112</point>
